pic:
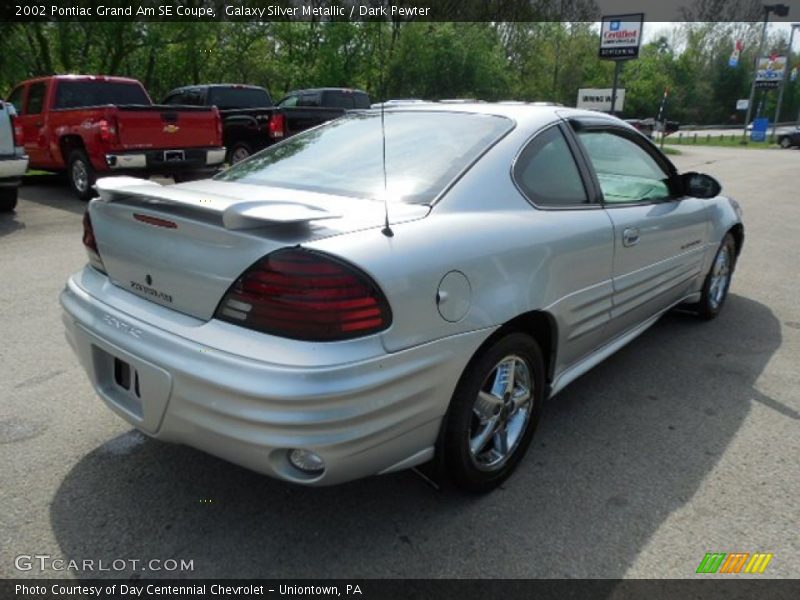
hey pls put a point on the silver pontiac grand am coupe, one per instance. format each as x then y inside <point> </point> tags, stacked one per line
<point>384,291</point>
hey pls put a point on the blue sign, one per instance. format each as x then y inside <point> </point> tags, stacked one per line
<point>614,26</point>
<point>759,133</point>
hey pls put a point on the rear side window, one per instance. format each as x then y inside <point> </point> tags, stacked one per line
<point>425,151</point>
<point>35,98</point>
<point>238,97</point>
<point>77,94</point>
<point>547,174</point>
<point>16,98</point>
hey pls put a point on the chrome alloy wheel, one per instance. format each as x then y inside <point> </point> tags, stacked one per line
<point>500,413</point>
<point>720,275</point>
<point>80,176</point>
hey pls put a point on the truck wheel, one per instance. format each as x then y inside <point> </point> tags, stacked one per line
<point>81,175</point>
<point>8,199</point>
<point>239,152</point>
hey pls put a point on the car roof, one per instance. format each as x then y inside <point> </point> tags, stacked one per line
<point>518,112</point>
<point>218,85</point>
<point>326,89</point>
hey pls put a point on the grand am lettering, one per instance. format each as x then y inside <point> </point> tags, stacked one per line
<point>140,287</point>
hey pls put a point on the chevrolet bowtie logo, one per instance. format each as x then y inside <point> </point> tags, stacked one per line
<point>170,128</point>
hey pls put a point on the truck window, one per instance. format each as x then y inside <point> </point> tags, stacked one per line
<point>339,100</point>
<point>238,97</point>
<point>289,101</point>
<point>35,98</point>
<point>16,98</point>
<point>77,94</point>
<point>309,100</point>
<point>179,98</point>
<point>361,100</point>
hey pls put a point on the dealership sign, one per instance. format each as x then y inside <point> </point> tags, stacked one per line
<point>621,36</point>
<point>770,71</point>
<point>599,99</point>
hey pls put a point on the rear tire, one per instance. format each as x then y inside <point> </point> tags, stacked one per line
<point>718,280</point>
<point>493,414</point>
<point>81,175</point>
<point>239,152</point>
<point>8,199</point>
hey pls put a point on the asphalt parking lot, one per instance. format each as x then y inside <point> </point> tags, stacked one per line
<point>685,442</point>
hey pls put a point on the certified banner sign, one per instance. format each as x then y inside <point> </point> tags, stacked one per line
<point>770,72</point>
<point>621,36</point>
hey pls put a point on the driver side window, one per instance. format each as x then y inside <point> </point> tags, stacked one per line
<point>626,172</point>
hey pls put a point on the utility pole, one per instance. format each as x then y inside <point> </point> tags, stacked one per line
<point>781,10</point>
<point>617,69</point>
<point>785,80</point>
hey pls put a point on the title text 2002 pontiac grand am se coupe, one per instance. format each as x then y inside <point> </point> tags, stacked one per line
<point>267,317</point>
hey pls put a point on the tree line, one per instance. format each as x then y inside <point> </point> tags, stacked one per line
<point>538,61</point>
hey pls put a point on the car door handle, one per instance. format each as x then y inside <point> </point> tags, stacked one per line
<point>630,236</point>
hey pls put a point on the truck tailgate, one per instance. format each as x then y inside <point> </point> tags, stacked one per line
<point>167,127</point>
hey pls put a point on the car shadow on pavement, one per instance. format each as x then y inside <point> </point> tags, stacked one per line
<point>617,452</point>
<point>51,190</point>
<point>9,223</point>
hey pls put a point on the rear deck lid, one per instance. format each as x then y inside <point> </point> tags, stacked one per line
<point>182,246</point>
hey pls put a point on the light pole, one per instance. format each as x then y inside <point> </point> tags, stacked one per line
<point>781,10</point>
<point>785,78</point>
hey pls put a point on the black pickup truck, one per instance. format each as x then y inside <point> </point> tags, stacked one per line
<point>250,119</point>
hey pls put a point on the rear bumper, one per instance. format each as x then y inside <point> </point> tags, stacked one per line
<point>166,161</point>
<point>12,168</point>
<point>363,417</point>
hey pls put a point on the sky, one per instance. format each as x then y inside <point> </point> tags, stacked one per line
<point>653,29</point>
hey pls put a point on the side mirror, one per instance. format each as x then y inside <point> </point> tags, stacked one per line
<point>700,185</point>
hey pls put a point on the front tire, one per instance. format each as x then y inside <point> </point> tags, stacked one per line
<point>493,414</point>
<point>785,142</point>
<point>718,280</point>
<point>8,199</point>
<point>81,175</point>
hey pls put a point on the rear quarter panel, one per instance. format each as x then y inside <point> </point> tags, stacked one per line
<point>515,257</point>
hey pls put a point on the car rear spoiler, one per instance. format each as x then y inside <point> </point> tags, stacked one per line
<point>229,212</point>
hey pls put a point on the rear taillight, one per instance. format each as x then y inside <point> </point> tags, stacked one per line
<point>106,130</point>
<point>219,125</point>
<point>277,126</point>
<point>90,242</point>
<point>306,295</point>
<point>19,136</point>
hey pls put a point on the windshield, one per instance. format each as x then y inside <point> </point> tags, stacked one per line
<point>238,97</point>
<point>424,152</point>
<point>75,94</point>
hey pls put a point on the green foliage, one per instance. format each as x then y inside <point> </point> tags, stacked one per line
<point>536,61</point>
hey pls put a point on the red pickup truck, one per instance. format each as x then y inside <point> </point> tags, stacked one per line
<point>92,125</point>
